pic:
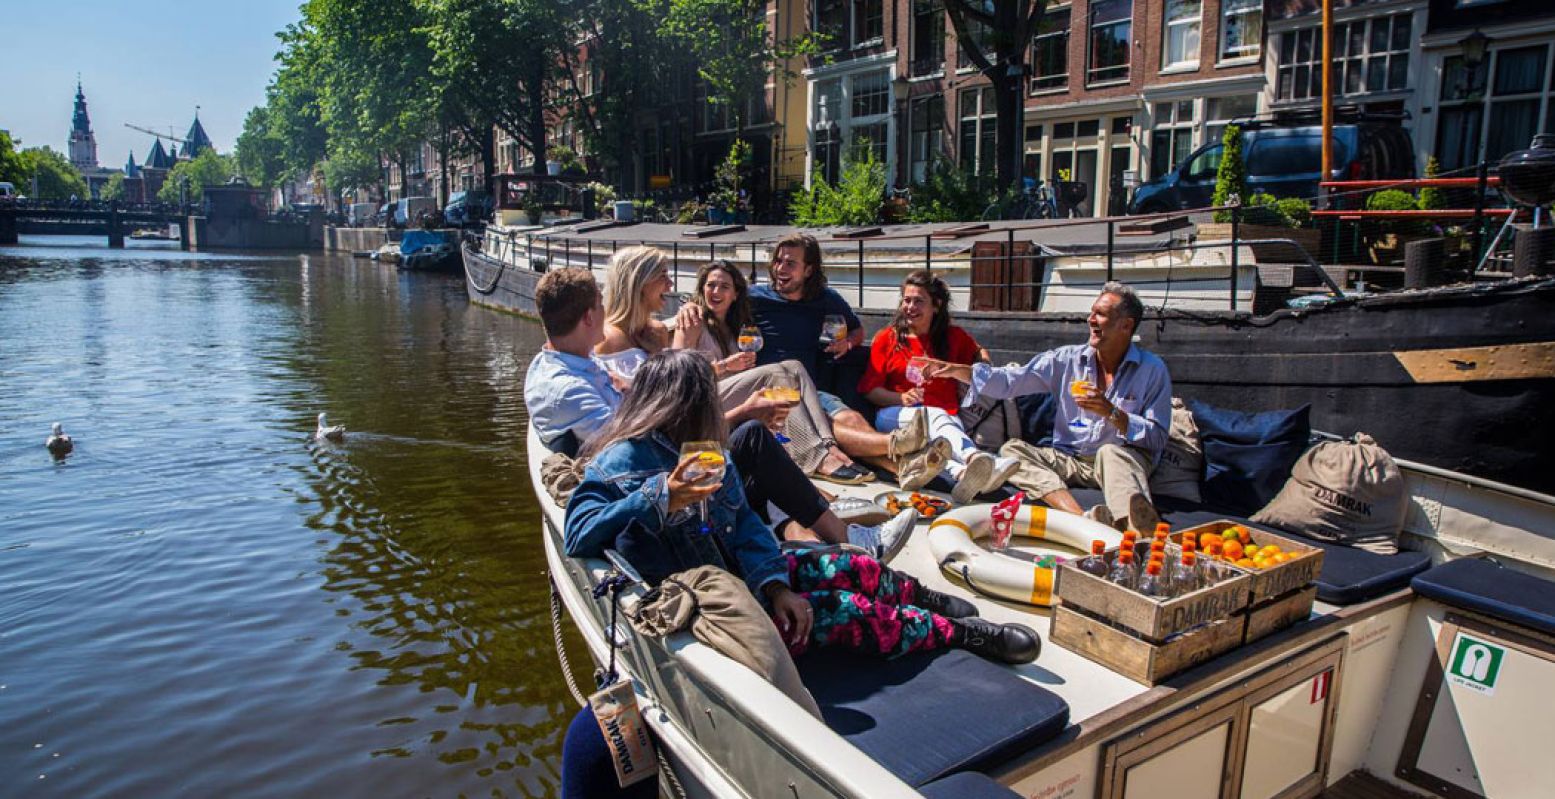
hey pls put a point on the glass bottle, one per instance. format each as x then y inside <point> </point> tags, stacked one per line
<point>1096,564</point>
<point>1122,571</point>
<point>1186,578</point>
<point>1152,584</point>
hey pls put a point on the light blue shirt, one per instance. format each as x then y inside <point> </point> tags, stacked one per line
<point>1141,388</point>
<point>568,393</point>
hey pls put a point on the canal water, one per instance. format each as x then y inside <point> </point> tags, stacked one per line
<point>199,602</point>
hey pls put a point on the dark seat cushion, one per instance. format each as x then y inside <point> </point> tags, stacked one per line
<point>967,785</point>
<point>1036,418</point>
<point>1349,575</point>
<point>1500,593</point>
<point>925,716</point>
<point>1248,456</point>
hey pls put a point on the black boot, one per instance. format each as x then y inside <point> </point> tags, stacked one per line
<point>951,607</point>
<point>1008,643</point>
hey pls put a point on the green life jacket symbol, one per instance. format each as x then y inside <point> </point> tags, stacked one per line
<point>1475,664</point>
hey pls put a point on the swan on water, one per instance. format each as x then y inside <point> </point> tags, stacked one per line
<point>59,443</point>
<point>336,433</point>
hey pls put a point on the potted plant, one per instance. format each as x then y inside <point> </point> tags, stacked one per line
<point>559,158</point>
<point>1387,237</point>
<point>533,209</point>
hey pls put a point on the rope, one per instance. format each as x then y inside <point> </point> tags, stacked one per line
<point>502,267</point>
<point>561,647</point>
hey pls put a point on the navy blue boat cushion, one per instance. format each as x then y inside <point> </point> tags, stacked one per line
<point>1349,575</point>
<point>967,785</point>
<point>1500,593</point>
<point>1248,456</point>
<point>1036,418</point>
<point>925,716</point>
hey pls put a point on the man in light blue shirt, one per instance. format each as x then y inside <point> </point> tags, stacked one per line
<point>567,389</point>
<point>1114,408</point>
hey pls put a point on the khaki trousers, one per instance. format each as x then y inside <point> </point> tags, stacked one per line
<point>1120,472</point>
<point>808,427</point>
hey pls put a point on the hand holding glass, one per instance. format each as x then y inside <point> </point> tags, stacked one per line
<point>783,392</point>
<point>708,466</point>
<point>834,329</point>
<point>916,376</point>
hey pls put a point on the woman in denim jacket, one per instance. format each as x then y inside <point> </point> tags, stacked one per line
<point>635,497</point>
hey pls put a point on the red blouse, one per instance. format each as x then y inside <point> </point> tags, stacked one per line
<point>888,366</point>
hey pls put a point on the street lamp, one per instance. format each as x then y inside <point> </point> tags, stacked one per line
<point>900,89</point>
<point>1474,47</point>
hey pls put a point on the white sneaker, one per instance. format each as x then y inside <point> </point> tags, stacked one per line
<point>983,473</point>
<point>884,540</point>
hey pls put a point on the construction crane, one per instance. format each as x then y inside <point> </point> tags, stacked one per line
<point>170,136</point>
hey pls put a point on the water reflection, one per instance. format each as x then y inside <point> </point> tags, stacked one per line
<point>201,602</point>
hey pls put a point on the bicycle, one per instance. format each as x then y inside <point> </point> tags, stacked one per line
<point>1033,202</point>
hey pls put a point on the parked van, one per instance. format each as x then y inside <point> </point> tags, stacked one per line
<point>361,214</point>
<point>407,210</point>
<point>7,191</point>
<point>467,208</point>
<point>1284,161</point>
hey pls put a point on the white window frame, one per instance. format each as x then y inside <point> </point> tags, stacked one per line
<point>1247,52</point>
<point>1194,22</point>
<point>841,121</point>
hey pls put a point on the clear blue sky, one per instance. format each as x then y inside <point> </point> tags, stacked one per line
<point>146,63</point>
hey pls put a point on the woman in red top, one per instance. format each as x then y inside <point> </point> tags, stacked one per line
<point>922,329</point>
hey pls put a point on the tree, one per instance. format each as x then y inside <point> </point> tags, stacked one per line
<point>207,169</point>
<point>114,189</point>
<point>999,52</point>
<point>260,155</point>
<point>12,169</point>
<point>57,179</point>
<point>734,50</point>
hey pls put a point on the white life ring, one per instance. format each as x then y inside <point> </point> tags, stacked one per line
<point>953,540</point>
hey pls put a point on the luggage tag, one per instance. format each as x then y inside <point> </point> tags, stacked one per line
<point>625,732</point>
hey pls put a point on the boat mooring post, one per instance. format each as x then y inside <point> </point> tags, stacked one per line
<point>1236,228</point>
<point>1110,231</point>
<point>1009,269</point>
<point>861,273</point>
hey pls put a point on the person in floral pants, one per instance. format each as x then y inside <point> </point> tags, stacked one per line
<point>865,607</point>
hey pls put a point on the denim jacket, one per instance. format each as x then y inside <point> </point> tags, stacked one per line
<point>625,491</point>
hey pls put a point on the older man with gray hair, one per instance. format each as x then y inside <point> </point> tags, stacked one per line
<point>1114,408</point>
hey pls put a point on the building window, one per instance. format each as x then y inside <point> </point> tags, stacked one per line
<point>1517,93</point>
<point>846,110</point>
<point>1370,55</point>
<point>1111,26</point>
<point>1181,45</point>
<point>1171,136</point>
<point>927,140</point>
<point>1050,52</point>
<point>1241,28</point>
<point>976,153</point>
<point>928,37</point>
<point>849,23</point>
<point>1221,111</point>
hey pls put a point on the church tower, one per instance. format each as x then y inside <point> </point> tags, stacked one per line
<point>83,144</point>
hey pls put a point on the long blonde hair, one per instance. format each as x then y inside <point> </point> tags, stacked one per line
<point>630,269</point>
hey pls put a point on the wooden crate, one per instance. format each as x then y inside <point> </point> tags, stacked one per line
<point>1277,614</point>
<point>1137,659</point>
<point>1154,620</point>
<point>1276,580</point>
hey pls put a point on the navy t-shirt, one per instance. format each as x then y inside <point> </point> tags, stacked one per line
<point>791,329</point>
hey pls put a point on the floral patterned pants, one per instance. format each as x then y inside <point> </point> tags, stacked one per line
<point>862,606</point>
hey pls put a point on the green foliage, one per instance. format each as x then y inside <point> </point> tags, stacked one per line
<point>347,169</point>
<point>1432,199</point>
<point>1231,176</point>
<point>207,169</point>
<point>1295,210</point>
<point>728,175</point>
<point>57,178</point>
<point>11,169</point>
<point>732,48</point>
<point>1396,200</point>
<point>947,194</point>
<point>260,154</point>
<point>114,188</point>
<point>855,200</point>
<point>604,194</point>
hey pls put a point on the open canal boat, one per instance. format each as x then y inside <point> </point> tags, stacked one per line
<point>1362,675</point>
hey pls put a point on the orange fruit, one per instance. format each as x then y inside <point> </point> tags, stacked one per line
<point>1251,551</point>
<point>1246,564</point>
<point>1233,550</point>
<point>1272,549</point>
<point>1234,533</point>
<point>1209,538</point>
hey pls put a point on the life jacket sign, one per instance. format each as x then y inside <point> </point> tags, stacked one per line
<point>1475,664</point>
<point>626,734</point>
